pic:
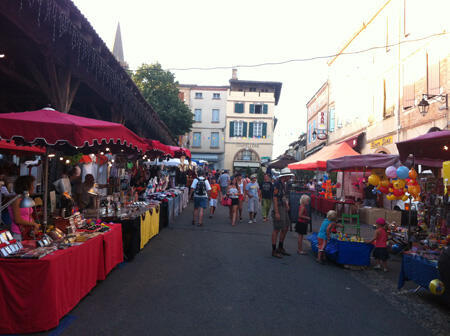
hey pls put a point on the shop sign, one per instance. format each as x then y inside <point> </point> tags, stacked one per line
<point>382,142</point>
<point>248,145</point>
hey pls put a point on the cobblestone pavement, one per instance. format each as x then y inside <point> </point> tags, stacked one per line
<point>222,280</point>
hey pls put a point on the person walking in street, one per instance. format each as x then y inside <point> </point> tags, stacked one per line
<point>214,195</point>
<point>302,223</point>
<point>241,184</point>
<point>324,235</point>
<point>200,188</point>
<point>254,195</point>
<point>380,252</point>
<point>233,193</point>
<point>281,221</point>
<point>224,181</point>
<point>266,196</point>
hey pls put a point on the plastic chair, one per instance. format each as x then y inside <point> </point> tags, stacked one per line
<point>350,217</point>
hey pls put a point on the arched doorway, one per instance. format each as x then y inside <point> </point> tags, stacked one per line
<point>246,159</point>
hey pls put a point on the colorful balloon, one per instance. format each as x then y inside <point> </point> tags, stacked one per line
<point>402,172</point>
<point>384,190</point>
<point>399,184</point>
<point>390,197</point>
<point>374,180</point>
<point>398,192</point>
<point>404,198</point>
<point>391,172</point>
<point>412,174</point>
<point>384,183</point>
<point>436,287</point>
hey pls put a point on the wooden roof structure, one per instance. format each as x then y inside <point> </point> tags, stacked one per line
<point>51,55</point>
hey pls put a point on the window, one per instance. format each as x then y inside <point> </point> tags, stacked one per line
<point>238,129</point>
<point>238,107</point>
<point>216,95</point>
<point>258,108</point>
<point>197,141</point>
<point>332,120</point>
<point>246,155</point>
<point>198,95</point>
<point>214,139</point>
<point>252,89</point>
<point>313,129</point>
<point>215,115</point>
<point>433,75</point>
<point>198,115</point>
<point>257,129</point>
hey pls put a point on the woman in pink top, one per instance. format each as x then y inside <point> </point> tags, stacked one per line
<point>21,217</point>
<point>380,253</point>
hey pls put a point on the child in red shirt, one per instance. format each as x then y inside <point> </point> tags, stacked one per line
<point>214,194</point>
<point>380,253</point>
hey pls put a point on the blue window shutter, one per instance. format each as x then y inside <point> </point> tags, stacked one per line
<point>244,129</point>
<point>252,108</point>
<point>264,130</point>
<point>309,133</point>
<point>250,130</point>
<point>237,108</point>
<point>332,120</point>
<point>265,108</point>
<point>231,129</point>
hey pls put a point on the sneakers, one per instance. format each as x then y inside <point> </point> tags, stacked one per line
<point>275,254</point>
<point>385,270</point>
<point>250,222</point>
<point>282,251</point>
<point>377,267</point>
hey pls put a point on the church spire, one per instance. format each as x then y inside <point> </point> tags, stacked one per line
<point>118,48</point>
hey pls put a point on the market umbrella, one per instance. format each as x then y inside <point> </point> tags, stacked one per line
<point>362,163</point>
<point>159,148</point>
<point>281,162</point>
<point>51,128</point>
<point>318,161</point>
<point>11,147</point>
<point>430,149</point>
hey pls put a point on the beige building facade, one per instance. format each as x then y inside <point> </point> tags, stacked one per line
<point>250,123</point>
<point>375,94</point>
<point>317,120</point>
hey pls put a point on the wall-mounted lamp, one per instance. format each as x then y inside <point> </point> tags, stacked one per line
<point>321,134</point>
<point>424,104</point>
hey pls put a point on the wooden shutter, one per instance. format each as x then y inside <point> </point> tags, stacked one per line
<point>264,130</point>
<point>231,129</point>
<point>433,70</point>
<point>252,108</point>
<point>238,107</point>
<point>265,109</point>
<point>244,129</point>
<point>250,130</point>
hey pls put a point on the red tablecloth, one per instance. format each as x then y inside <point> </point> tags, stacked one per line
<point>36,294</point>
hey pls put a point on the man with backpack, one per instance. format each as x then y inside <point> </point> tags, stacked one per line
<point>200,188</point>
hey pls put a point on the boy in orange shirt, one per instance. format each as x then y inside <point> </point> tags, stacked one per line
<point>214,195</point>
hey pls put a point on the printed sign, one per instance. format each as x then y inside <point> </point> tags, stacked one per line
<point>382,142</point>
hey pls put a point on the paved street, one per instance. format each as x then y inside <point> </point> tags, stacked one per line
<point>222,280</point>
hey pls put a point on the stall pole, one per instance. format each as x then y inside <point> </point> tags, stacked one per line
<point>45,188</point>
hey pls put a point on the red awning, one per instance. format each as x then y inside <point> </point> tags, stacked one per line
<point>318,161</point>
<point>11,147</point>
<point>50,127</point>
<point>162,149</point>
<point>180,151</point>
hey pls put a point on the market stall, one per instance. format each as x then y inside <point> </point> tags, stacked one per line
<point>427,260</point>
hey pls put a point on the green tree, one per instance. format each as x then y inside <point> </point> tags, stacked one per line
<point>159,88</point>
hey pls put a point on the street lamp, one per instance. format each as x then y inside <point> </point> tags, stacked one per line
<point>424,104</point>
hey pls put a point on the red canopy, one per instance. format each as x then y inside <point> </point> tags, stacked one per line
<point>52,127</point>
<point>318,161</point>
<point>11,147</point>
<point>156,146</point>
<point>180,151</point>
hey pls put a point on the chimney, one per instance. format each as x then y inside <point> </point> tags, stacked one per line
<point>234,74</point>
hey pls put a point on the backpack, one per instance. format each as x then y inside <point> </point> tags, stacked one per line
<point>200,189</point>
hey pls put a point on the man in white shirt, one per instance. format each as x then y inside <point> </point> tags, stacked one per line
<point>200,188</point>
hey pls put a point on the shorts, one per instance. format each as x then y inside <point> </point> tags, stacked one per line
<point>200,202</point>
<point>213,202</point>
<point>253,204</point>
<point>381,253</point>
<point>321,244</point>
<point>301,228</point>
<point>234,201</point>
<point>284,221</point>
<point>224,189</point>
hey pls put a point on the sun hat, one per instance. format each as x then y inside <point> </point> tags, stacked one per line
<point>285,172</point>
<point>380,221</point>
<point>254,176</point>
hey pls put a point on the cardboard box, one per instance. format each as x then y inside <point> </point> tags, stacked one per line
<point>394,216</point>
<point>374,214</point>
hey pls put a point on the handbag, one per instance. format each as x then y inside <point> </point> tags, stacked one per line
<point>226,201</point>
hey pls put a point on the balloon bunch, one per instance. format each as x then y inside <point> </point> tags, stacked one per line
<point>397,183</point>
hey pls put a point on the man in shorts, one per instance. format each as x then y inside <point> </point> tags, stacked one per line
<point>224,181</point>
<point>280,216</point>
<point>200,188</point>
